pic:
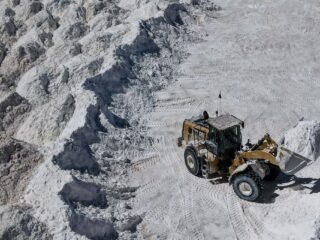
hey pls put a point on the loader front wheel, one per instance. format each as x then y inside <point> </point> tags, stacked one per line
<point>248,186</point>
<point>192,162</point>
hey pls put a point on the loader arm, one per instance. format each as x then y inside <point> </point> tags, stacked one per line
<point>268,150</point>
<point>260,154</point>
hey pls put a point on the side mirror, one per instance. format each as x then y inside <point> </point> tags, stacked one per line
<point>242,124</point>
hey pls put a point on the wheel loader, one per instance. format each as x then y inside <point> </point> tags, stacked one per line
<point>213,148</point>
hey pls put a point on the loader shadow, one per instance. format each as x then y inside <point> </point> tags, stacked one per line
<point>284,181</point>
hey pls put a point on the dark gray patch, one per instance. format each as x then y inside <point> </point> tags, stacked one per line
<point>76,30</point>
<point>141,45</point>
<point>77,154</point>
<point>10,27</point>
<point>87,194</point>
<point>12,110</point>
<point>81,13</point>
<point>3,52</point>
<point>46,39</point>
<point>31,52</point>
<point>9,12</point>
<point>15,2</point>
<point>75,49</point>
<point>172,14</point>
<point>95,66</point>
<point>113,119</point>
<point>65,75</point>
<point>110,82</point>
<point>45,82</point>
<point>95,229</point>
<point>67,111</point>
<point>34,51</point>
<point>35,7</point>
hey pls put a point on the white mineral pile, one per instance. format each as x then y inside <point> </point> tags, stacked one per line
<point>76,80</point>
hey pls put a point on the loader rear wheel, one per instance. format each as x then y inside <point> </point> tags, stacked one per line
<point>192,161</point>
<point>273,173</point>
<point>248,186</point>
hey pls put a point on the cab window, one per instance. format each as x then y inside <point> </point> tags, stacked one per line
<point>212,135</point>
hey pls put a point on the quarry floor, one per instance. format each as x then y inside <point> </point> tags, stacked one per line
<point>263,57</point>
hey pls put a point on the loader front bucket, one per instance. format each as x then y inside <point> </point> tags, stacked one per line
<point>291,162</point>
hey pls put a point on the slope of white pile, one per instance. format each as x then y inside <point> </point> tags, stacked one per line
<point>49,179</point>
<point>304,139</point>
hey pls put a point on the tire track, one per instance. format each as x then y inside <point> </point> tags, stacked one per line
<point>210,194</point>
<point>186,202</point>
<point>188,199</point>
<point>236,215</point>
<point>143,164</point>
<point>173,102</point>
<point>258,226</point>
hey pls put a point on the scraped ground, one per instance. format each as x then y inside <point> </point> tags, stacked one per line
<point>264,57</point>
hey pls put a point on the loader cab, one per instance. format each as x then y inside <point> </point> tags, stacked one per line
<point>221,134</point>
<point>225,132</point>
<point>229,138</point>
<point>210,143</point>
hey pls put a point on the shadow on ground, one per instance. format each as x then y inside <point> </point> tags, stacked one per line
<point>284,181</point>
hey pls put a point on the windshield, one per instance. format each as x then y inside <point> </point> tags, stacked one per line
<point>227,139</point>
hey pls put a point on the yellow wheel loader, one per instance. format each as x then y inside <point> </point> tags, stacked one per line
<point>213,147</point>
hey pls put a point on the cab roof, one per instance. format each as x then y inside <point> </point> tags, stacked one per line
<point>221,122</point>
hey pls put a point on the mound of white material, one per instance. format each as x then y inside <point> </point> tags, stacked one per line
<point>304,139</point>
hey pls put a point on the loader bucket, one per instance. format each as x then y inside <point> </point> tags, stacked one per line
<point>291,162</point>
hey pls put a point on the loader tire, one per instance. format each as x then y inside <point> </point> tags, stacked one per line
<point>273,173</point>
<point>248,186</point>
<point>192,161</point>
